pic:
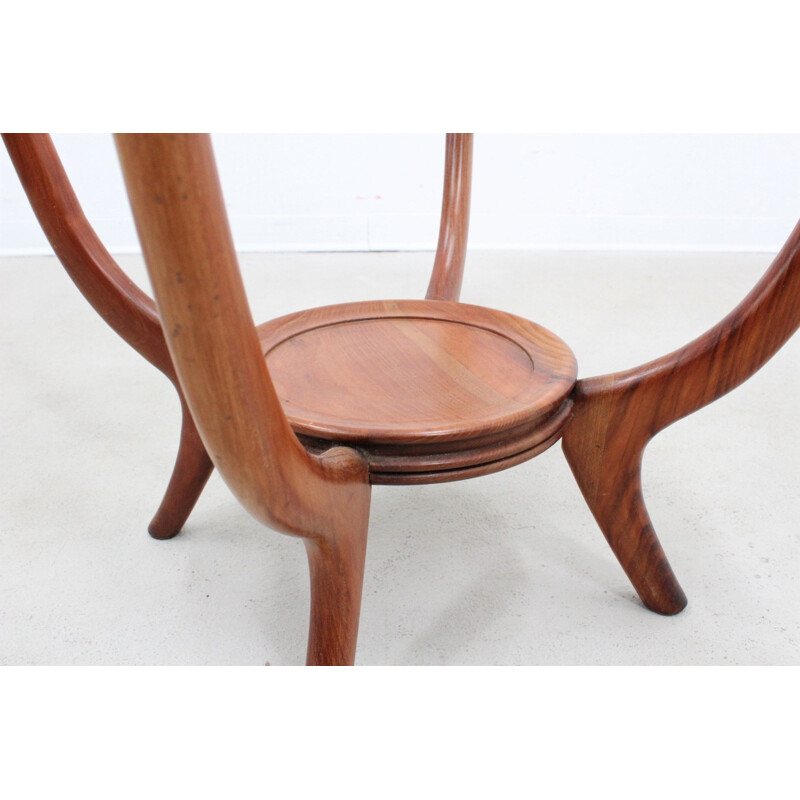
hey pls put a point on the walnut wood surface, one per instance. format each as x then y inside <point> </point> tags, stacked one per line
<point>192,470</point>
<point>615,416</point>
<point>505,458</point>
<point>180,217</point>
<point>115,297</point>
<point>383,392</point>
<point>451,251</point>
<point>132,314</point>
<point>419,386</point>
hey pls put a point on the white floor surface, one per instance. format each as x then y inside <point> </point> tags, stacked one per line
<point>505,569</point>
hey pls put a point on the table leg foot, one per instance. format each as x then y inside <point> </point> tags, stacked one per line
<point>192,470</point>
<point>609,476</point>
<point>615,416</point>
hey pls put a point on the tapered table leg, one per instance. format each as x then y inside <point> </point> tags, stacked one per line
<point>115,297</point>
<point>615,416</point>
<point>192,470</point>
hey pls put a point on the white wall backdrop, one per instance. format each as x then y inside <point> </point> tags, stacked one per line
<point>383,192</point>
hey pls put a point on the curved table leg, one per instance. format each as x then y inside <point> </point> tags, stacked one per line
<point>336,567</point>
<point>451,251</point>
<point>603,444</point>
<point>192,470</point>
<point>615,416</point>
<point>122,304</point>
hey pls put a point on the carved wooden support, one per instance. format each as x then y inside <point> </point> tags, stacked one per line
<point>615,416</point>
<point>132,314</point>
<point>451,251</point>
<point>180,216</point>
<point>115,297</point>
<point>192,470</point>
<point>233,418</point>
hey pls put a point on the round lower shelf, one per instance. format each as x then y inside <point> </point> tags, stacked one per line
<point>420,386</point>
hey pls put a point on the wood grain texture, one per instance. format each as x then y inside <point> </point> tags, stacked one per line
<point>180,216</point>
<point>115,297</point>
<point>451,250</point>
<point>615,416</point>
<point>304,413</point>
<point>132,314</point>
<point>192,470</point>
<point>419,386</point>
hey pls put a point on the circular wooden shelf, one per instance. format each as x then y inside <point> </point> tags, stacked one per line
<point>427,389</point>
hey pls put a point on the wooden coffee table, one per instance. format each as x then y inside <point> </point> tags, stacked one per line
<point>304,413</point>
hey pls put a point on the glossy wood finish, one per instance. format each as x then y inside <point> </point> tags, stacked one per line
<point>192,470</point>
<point>115,297</point>
<point>180,216</point>
<point>132,314</point>
<point>474,355</point>
<point>486,385</point>
<point>304,413</point>
<point>451,251</point>
<point>615,416</point>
